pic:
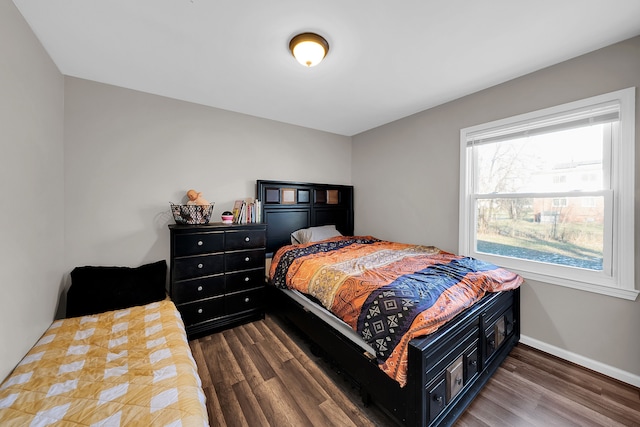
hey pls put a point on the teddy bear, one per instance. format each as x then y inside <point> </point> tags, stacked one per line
<point>195,198</point>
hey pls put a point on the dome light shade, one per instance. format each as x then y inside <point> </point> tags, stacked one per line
<point>309,48</point>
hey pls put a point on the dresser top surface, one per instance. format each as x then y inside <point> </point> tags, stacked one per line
<point>216,225</point>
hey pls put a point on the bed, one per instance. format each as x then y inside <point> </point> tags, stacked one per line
<point>122,358</point>
<point>426,375</point>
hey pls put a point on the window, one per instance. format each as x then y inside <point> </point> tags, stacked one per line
<point>550,194</point>
<point>559,203</point>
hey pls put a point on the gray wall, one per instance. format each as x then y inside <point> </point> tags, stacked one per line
<point>31,187</point>
<point>407,178</point>
<point>128,154</point>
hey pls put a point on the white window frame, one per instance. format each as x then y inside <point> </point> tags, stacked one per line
<point>617,278</point>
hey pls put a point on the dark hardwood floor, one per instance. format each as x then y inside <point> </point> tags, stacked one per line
<point>263,374</point>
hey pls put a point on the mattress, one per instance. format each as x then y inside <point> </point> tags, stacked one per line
<point>124,367</point>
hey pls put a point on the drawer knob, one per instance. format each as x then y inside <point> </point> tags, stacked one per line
<point>200,288</point>
<point>247,299</point>
<point>246,239</point>
<point>200,265</point>
<point>199,242</point>
<point>458,381</point>
<point>438,399</point>
<point>473,363</point>
<point>247,259</point>
<point>246,279</point>
<point>199,311</point>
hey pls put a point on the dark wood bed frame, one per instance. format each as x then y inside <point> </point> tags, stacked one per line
<point>447,369</point>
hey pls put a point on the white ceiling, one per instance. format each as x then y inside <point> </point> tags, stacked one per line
<point>387,59</point>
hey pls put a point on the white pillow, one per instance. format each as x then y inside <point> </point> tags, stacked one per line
<point>314,234</point>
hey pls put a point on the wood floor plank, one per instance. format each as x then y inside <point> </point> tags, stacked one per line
<point>279,406</point>
<point>346,398</point>
<point>573,394</point>
<point>561,371</point>
<point>273,343</point>
<point>243,335</point>
<point>263,374</point>
<point>253,332</point>
<point>254,369</point>
<point>337,388</point>
<point>506,389</point>
<point>272,350</point>
<point>470,420</point>
<point>285,337</point>
<point>250,361</point>
<point>214,410</point>
<point>493,414</point>
<point>232,411</point>
<point>579,376</point>
<point>335,416</point>
<point>221,361</point>
<point>203,370</point>
<point>307,394</point>
<point>251,410</point>
<point>531,403</point>
<point>558,411</point>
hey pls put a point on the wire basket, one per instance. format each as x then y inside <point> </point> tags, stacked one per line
<point>191,214</point>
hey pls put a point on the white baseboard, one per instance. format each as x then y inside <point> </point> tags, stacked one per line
<point>610,371</point>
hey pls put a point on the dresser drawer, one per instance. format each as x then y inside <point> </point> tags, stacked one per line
<point>494,336</point>
<point>243,301</point>
<point>440,357</point>
<point>498,332</point>
<point>455,378</point>
<point>245,239</point>
<point>197,289</point>
<point>202,311</point>
<point>244,260</point>
<point>196,266</point>
<point>436,398</point>
<point>471,361</point>
<point>245,280</point>
<point>196,244</point>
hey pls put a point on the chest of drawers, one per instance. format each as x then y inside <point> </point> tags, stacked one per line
<point>217,275</point>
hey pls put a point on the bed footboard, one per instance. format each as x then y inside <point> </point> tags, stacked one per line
<point>450,367</point>
<point>447,369</point>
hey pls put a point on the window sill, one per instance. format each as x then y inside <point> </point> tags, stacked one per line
<point>628,294</point>
<point>574,280</point>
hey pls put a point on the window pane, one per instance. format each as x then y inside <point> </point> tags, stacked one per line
<point>566,160</point>
<point>565,231</point>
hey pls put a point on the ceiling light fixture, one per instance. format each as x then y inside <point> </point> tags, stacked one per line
<point>309,48</point>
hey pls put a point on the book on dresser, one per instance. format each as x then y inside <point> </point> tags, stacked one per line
<point>247,211</point>
<point>217,277</point>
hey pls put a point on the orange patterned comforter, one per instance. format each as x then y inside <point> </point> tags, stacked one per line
<point>123,367</point>
<point>388,292</point>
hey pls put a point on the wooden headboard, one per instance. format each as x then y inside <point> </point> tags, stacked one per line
<point>290,206</point>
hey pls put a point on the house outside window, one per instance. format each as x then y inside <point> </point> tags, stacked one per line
<point>550,194</point>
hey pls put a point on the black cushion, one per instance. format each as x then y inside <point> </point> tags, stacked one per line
<point>99,289</point>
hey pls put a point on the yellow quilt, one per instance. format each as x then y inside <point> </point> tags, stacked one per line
<point>124,367</point>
